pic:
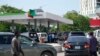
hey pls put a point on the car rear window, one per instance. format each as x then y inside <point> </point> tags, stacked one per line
<point>43,35</point>
<point>77,34</point>
<point>5,39</point>
<point>77,39</point>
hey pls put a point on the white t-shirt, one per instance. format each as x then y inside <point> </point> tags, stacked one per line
<point>15,45</point>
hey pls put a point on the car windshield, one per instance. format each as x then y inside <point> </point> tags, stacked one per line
<point>5,39</point>
<point>77,39</point>
<point>43,35</point>
<point>77,34</point>
<point>25,40</point>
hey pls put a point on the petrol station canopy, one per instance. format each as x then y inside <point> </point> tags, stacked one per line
<point>41,17</point>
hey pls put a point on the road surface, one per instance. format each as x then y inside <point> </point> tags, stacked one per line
<point>62,54</point>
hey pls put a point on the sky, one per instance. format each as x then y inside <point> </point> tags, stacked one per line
<point>58,7</point>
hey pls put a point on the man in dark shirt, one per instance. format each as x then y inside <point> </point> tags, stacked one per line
<point>93,44</point>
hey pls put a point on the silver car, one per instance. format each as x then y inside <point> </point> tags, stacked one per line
<point>29,48</point>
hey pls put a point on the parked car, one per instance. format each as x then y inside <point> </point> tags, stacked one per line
<point>97,35</point>
<point>43,35</point>
<point>29,48</point>
<point>36,36</point>
<point>62,36</point>
<point>76,46</point>
<point>32,35</point>
<point>76,33</point>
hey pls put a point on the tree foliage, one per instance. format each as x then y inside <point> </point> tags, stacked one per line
<point>4,26</point>
<point>5,9</point>
<point>9,9</point>
<point>80,22</point>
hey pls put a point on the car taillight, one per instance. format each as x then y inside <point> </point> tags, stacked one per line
<point>86,45</point>
<point>67,45</point>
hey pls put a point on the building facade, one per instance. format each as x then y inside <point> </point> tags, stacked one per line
<point>88,7</point>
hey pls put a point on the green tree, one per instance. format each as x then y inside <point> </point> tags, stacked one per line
<point>5,9</point>
<point>80,22</point>
<point>8,9</point>
<point>21,27</point>
<point>4,26</point>
<point>53,28</point>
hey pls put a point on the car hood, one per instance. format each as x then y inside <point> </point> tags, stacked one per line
<point>43,45</point>
<point>4,47</point>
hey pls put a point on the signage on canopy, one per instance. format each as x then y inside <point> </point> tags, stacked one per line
<point>94,22</point>
<point>31,13</point>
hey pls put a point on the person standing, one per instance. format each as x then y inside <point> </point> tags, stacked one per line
<point>49,37</point>
<point>93,44</point>
<point>16,46</point>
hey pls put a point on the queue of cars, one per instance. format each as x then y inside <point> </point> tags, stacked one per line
<point>29,47</point>
<point>75,44</point>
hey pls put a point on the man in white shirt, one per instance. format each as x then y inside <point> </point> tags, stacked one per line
<point>16,46</point>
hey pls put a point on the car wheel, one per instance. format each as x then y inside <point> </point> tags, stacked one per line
<point>46,54</point>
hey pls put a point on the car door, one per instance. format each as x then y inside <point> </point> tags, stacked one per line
<point>5,45</point>
<point>26,45</point>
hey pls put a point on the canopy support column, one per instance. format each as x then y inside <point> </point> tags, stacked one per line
<point>29,25</point>
<point>57,26</point>
<point>35,25</point>
<point>40,25</point>
<point>48,25</point>
<point>13,27</point>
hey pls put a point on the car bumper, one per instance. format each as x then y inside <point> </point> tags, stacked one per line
<point>76,52</point>
<point>99,50</point>
<point>55,53</point>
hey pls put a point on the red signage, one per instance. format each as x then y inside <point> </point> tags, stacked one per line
<point>94,22</point>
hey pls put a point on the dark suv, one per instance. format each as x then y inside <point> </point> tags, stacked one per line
<point>76,46</point>
<point>77,33</point>
<point>29,48</point>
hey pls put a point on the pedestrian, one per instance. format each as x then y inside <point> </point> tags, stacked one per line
<point>16,46</point>
<point>93,44</point>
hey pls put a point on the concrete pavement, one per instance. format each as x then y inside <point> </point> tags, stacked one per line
<point>59,48</point>
<point>62,54</point>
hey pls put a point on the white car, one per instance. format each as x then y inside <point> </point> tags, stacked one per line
<point>43,35</point>
<point>32,35</point>
<point>35,36</point>
<point>97,34</point>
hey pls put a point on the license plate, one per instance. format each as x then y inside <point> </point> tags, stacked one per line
<point>77,47</point>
